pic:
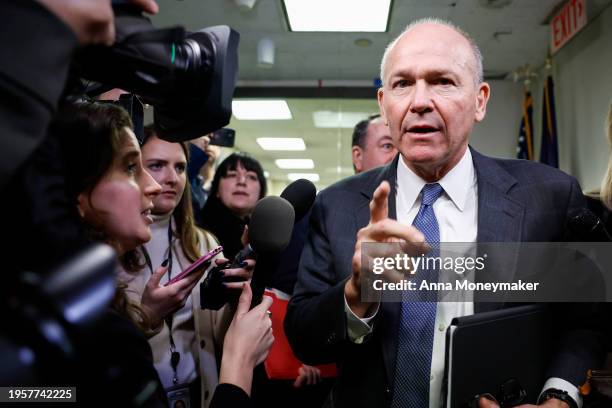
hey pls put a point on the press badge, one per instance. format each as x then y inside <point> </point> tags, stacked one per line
<point>178,396</point>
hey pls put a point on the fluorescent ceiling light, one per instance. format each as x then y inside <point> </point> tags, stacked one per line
<point>338,15</point>
<point>330,119</point>
<point>281,143</point>
<point>261,110</point>
<point>294,163</point>
<point>314,177</point>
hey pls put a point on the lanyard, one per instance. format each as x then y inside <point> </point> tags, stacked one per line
<point>175,356</point>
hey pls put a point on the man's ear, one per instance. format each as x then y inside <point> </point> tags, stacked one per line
<point>82,203</point>
<point>357,157</point>
<point>379,97</point>
<point>482,97</point>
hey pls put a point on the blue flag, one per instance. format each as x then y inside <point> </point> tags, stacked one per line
<point>524,149</point>
<point>549,154</point>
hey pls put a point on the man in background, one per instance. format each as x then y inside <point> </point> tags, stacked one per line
<point>372,144</point>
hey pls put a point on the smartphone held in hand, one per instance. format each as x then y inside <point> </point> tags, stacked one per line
<point>195,266</point>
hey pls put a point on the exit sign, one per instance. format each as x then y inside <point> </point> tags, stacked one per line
<point>566,23</point>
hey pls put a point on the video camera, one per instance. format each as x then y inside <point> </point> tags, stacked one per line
<point>188,77</point>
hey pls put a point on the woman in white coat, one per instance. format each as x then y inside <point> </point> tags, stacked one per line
<point>186,340</point>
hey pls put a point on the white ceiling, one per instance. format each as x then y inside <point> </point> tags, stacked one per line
<point>509,37</point>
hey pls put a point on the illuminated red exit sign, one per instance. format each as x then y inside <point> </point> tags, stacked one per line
<point>566,23</point>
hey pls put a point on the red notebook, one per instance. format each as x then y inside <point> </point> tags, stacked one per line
<point>281,363</point>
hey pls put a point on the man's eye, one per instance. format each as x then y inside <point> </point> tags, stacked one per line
<point>444,81</point>
<point>402,83</point>
<point>387,146</point>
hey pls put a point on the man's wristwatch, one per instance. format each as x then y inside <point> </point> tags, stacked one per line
<point>558,394</point>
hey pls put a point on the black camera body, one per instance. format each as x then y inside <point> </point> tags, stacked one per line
<point>51,321</point>
<point>188,77</point>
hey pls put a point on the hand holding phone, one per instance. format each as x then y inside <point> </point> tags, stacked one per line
<point>195,266</point>
<point>223,137</point>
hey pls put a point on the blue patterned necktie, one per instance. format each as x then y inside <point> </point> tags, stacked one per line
<point>415,343</point>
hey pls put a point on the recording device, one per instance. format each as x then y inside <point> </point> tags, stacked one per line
<point>188,77</point>
<point>223,137</point>
<point>133,106</point>
<point>269,233</point>
<point>301,195</point>
<point>585,226</point>
<point>46,314</point>
<point>195,266</point>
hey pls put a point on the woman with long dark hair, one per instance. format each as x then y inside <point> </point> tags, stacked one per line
<point>238,184</point>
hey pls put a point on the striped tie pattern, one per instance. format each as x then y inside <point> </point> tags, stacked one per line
<point>415,343</point>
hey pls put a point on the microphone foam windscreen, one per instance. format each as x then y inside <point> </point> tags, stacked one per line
<point>301,194</point>
<point>271,225</point>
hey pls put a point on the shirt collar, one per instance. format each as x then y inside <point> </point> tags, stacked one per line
<point>456,183</point>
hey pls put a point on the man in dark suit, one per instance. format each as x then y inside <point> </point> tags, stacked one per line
<point>390,354</point>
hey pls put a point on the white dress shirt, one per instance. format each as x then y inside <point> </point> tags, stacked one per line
<point>457,215</point>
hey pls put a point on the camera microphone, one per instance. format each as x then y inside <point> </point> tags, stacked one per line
<point>270,230</point>
<point>301,194</point>
<point>586,226</point>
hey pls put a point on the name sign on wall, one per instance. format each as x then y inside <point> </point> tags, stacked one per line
<point>567,23</point>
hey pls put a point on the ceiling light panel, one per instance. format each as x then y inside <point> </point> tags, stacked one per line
<point>331,119</point>
<point>294,163</point>
<point>261,110</point>
<point>314,177</point>
<point>281,143</point>
<point>338,15</point>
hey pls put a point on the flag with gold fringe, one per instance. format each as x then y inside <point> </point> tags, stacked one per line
<point>549,153</point>
<point>524,149</point>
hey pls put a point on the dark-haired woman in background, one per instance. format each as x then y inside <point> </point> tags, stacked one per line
<point>238,184</point>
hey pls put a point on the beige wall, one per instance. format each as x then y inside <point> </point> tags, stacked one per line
<point>583,75</point>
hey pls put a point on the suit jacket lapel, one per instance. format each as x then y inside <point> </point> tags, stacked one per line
<point>500,219</point>
<point>389,314</point>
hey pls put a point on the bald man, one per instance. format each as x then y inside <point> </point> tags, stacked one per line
<point>438,189</point>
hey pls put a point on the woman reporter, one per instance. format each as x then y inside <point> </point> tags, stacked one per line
<point>114,196</point>
<point>184,338</point>
<point>238,184</point>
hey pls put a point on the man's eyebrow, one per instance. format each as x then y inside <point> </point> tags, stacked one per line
<point>440,72</point>
<point>401,72</point>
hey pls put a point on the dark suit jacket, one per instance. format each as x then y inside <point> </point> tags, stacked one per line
<point>518,200</point>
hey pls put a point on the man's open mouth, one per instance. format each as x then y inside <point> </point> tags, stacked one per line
<point>422,129</point>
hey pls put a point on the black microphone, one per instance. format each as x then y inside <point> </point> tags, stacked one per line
<point>270,230</point>
<point>586,226</point>
<point>301,194</point>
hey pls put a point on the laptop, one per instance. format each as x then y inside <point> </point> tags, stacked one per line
<point>508,347</point>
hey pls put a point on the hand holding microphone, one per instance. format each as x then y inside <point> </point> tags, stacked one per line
<point>269,232</point>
